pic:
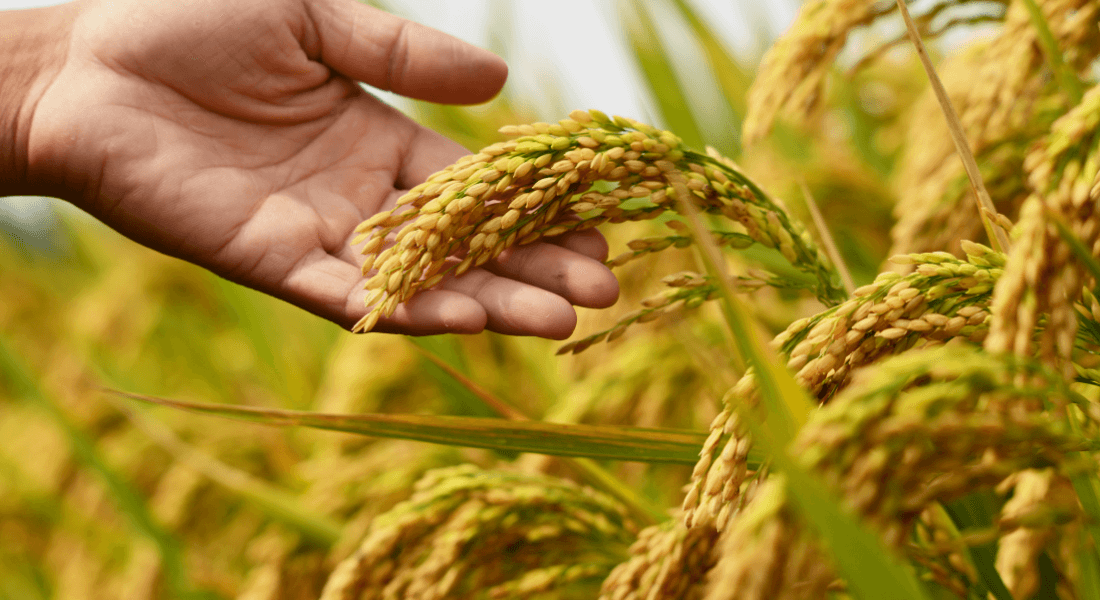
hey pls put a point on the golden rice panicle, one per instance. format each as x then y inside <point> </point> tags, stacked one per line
<point>721,478</point>
<point>467,529</point>
<point>667,561</point>
<point>791,77</point>
<point>523,190</point>
<point>914,431</point>
<point>945,298</point>
<point>1041,503</point>
<point>931,416</point>
<point>768,554</point>
<point>1042,277</point>
<point>1004,95</point>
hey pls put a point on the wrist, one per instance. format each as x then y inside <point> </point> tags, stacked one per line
<point>33,47</point>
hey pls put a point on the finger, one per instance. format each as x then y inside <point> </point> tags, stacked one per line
<point>589,242</point>
<point>578,278</point>
<point>395,54</point>
<point>433,312</point>
<point>516,308</point>
<point>332,289</point>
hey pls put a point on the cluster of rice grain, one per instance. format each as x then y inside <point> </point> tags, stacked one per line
<point>768,554</point>
<point>1042,505</point>
<point>946,298</point>
<point>449,539</point>
<point>668,561</point>
<point>1043,278</point>
<point>1005,97</point>
<point>534,186</point>
<point>925,427</point>
<point>721,477</point>
<point>792,76</point>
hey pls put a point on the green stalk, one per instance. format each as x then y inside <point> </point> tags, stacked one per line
<point>606,442</point>
<point>871,570</point>
<point>1071,84</point>
<point>587,469</point>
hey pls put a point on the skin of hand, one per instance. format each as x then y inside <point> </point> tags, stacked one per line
<point>232,134</point>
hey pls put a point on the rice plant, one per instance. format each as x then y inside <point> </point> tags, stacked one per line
<point>931,433</point>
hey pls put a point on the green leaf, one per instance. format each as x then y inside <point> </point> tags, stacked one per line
<point>592,473</point>
<point>787,404</point>
<point>871,570</point>
<point>593,441</point>
<point>977,511</point>
<point>659,73</point>
<point>732,78</point>
<point>1067,79</point>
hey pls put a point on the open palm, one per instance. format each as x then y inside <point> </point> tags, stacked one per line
<point>232,134</point>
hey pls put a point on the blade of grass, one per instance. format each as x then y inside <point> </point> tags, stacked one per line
<point>827,237</point>
<point>997,235</point>
<point>732,78</point>
<point>1076,246</point>
<point>587,469</point>
<point>1088,582</point>
<point>871,570</point>
<point>473,390</point>
<point>788,405</point>
<point>1071,84</point>
<point>659,73</point>
<point>277,504</point>
<point>128,500</point>
<point>554,439</point>
<point>1088,494</point>
<point>976,511</point>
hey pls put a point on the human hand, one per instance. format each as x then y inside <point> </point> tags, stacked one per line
<point>231,133</point>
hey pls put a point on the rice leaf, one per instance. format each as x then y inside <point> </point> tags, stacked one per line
<point>592,473</point>
<point>607,442</point>
<point>871,570</point>
<point>1067,79</point>
<point>733,79</point>
<point>660,74</point>
<point>787,404</point>
<point>977,511</point>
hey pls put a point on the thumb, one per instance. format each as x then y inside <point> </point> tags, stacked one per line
<point>407,58</point>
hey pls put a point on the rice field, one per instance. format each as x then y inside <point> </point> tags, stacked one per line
<point>855,354</point>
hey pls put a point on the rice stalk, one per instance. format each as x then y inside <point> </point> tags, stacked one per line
<point>1005,99</point>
